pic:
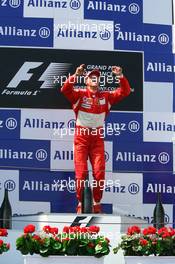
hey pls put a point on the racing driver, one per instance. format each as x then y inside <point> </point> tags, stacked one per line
<point>91,107</point>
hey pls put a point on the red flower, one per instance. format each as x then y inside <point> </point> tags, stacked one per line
<point>107,240</point>
<point>154,242</point>
<point>75,229</point>
<point>165,234</point>
<point>84,230</point>
<point>8,245</point>
<point>46,229</point>
<point>29,229</point>
<point>91,245</point>
<point>1,242</point>
<point>54,230</point>
<point>133,230</point>
<point>71,229</point>
<point>162,230</point>
<point>66,239</point>
<point>143,242</point>
<point>36,237</point>
<point>66,229</point>
<point>171,231</point>
<point>149,231</point>
<point>3,232</point>
<point>94,229</point>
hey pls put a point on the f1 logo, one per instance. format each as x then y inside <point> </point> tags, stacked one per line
<point>47,77</point>
<point>23,74</point>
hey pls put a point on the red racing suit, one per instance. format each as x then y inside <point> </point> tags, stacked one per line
<point>90,110</point>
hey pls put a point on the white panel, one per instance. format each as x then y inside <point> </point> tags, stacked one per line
<point>158,97</point>
<point>108,150</point>
<point>19,207</point>
<point>84,34</point>
<point>122,192</point>
<point>51,9</point>
<point>157,12</point>
<point>38,124</point>
<point>62,156</point>
<point>158,127</point>
<point>145,211</point>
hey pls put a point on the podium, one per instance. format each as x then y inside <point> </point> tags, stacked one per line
<point>112,223</point>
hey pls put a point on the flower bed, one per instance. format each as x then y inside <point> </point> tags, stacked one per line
<point>85,241</point>
<point>149,241</point>
<point>4,247</point>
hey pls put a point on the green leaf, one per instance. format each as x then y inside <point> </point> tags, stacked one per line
<point>46,242</point>
<point>72,247</point>
<point>98,248</point>
<point>43,250</point>
<point>57,246</point>
<point>116,249</point>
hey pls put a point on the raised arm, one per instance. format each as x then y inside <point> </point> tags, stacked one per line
<point>68,88</point>
<point>122,91</point>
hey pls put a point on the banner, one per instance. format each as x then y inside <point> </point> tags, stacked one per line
<point>26,32</point>
<point>158,182</point>
<point>10,124</point>
<point>159,67</point>
<point>32,78</point>
<point>109,10</point>
<point>141,157</point>
<point>147,37</point>
<point>25,154</point>
<point>11,8</point>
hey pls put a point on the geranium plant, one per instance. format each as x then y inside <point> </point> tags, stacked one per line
<point>4,247</point>
<point>84,241</point>
<point>149,241</point>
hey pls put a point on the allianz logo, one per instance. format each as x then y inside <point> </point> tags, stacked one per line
<point>42,123</point>
<point>10,154</point>
<point>162,38</point>
<point>160,67</point>
<point>73,4</point>
<point>160,188</point>
<point>46,3</point>
<point>85,34</point>
<point>69,155</point>
<point>162,157</point>
<point>41,186</point>
<point>63,155</point>
<point>10,123</point>
<point>150,219</point>
<point>133,126</point>
<point>11,3</point>
<point>160,126</point>
<point>132,188</point>
<point>43,32</point>
<point>133,8</point>
<point>54,186</point>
